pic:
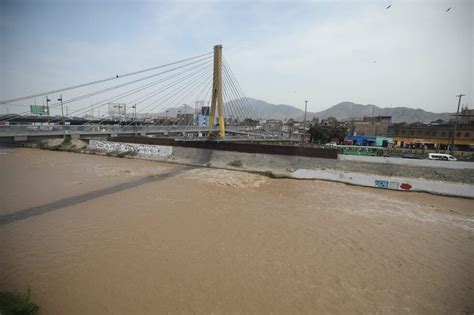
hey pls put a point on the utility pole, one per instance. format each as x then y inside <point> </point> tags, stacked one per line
<point>451,147</point>
<point>62,115</point>
<point>304,121</point>
<point>305,109</point>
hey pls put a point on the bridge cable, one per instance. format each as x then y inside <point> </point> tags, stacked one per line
<point>162,89</point>
<point>135,90</point>
<point>98,81</point>
<point>54,105</point>
<point>240,88</point>
<point>165,105</point>
<point>238,98</point>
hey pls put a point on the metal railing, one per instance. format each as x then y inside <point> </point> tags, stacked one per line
<point>77,129</point>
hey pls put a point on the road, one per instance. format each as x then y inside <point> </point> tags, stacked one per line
<point>94,234</point>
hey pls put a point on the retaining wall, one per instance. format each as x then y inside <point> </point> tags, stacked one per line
<point>454,182</point>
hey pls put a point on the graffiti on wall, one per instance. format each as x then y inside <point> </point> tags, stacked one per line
<point>392,185</point>
<point>138,149</point>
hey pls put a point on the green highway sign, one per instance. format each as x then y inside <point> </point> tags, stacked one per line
<point>38,110</point>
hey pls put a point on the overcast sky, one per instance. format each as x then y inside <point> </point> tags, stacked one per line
<point>414,54</point>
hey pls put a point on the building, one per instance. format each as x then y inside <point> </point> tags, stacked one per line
<point>203,120</point>
<point>272,125</point>
<point>370,126</point>
<point>435,137</point>
<point>185,119</point>
<point>465,117</point>
<point>369,141</point>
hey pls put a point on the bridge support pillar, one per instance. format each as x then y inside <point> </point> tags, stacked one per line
<point>216,100</point>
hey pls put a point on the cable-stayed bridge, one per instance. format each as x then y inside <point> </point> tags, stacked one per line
<point>138,103</point>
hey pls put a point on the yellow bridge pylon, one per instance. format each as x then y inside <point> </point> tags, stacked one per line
<point>216,100</point>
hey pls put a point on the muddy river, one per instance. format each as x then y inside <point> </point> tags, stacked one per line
<point>102,235</point>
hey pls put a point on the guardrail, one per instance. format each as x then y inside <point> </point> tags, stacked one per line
<point>24,132</point>
<point>21,129</point>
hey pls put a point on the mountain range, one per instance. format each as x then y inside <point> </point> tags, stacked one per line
<point>341,111</point>
<point>344,111</point>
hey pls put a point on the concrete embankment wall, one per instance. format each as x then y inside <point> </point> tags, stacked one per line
<point>409,162</point>
<point>447,181</point>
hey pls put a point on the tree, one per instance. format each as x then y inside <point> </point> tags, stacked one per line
<point>327,130</point>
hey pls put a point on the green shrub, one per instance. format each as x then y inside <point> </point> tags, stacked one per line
<point>17,303</point>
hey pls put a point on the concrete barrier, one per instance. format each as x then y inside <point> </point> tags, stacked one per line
<point>384,182</point>
<point>409,162</point>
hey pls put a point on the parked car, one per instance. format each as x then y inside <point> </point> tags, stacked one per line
<point>411,156</point>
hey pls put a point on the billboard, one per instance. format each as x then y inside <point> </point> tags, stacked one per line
<point>39,110</point>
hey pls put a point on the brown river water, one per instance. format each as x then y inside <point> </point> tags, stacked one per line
<point>101,235</point>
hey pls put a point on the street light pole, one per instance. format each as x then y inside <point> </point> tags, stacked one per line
<point>135,118</point>
<point>62,115</point>
<point>47,105</point>
<point>451,147</point>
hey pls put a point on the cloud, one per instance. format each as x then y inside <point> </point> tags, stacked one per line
<point>414,54</point>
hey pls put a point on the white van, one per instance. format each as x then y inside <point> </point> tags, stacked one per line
<point>441,157</point>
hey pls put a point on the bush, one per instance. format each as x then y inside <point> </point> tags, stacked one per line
<point>236,163</point>
<point>17,303</point>
<point>66,142</point>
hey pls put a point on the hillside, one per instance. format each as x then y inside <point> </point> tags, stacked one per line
<point>344,111</point>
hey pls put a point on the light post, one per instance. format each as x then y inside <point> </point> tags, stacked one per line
<point>47,105</point>
<point>60,99</point>
<point>451,147</point>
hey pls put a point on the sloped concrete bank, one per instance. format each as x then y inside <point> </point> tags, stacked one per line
<point>444,181</point>
<point>455,182</point>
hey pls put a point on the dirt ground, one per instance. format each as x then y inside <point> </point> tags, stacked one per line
<point>101,235</point>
